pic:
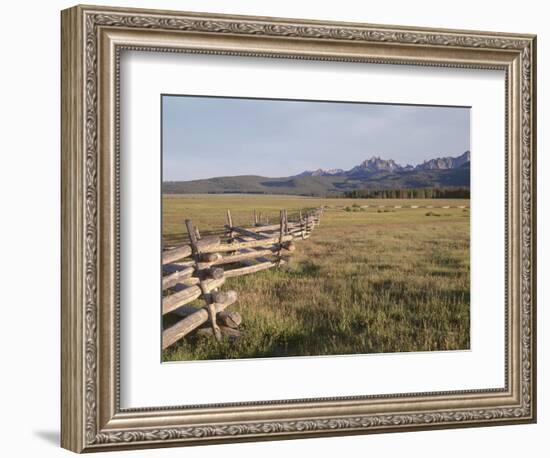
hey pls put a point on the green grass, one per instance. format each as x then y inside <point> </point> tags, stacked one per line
<point>364,282</point>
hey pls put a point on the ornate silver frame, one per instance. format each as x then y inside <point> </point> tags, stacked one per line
<point>92,39</point>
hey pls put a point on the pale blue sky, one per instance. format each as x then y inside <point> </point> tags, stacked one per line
<point>207,137</point>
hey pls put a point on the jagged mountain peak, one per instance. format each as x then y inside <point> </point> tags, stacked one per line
<point>376,163</point>
<point>443,163</point>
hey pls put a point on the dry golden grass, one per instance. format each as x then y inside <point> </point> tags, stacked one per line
<point>368,280</point>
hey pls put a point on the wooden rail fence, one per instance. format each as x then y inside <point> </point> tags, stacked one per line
<point>199,269</point>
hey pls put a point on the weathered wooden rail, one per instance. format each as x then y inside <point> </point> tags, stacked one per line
<point>199,270</point>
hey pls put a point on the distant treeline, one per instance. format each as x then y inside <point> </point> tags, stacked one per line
<point>414,193</point>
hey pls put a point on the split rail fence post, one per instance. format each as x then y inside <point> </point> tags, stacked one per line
<point>281,235</point>
<point>207,296</point>
<point>230,224</point>
<point>285,221</point>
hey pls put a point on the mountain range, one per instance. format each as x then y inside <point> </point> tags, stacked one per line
<point>373,173</point>
<point>376,165</point>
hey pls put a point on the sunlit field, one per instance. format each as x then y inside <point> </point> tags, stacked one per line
<point>368,280</point>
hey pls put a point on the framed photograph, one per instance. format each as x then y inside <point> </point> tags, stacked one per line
<point>279,228</point>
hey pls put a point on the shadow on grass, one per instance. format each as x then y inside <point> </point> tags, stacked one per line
<point>305,269</point>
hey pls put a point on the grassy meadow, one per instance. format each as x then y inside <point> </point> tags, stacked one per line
<point>368,280</point>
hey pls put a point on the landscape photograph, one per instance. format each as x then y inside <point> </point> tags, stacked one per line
<point>303,228</point>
